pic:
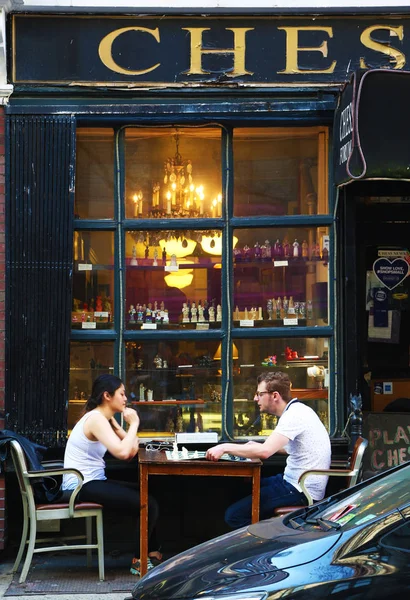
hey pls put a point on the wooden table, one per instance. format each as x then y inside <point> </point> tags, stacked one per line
<point>156,463</point>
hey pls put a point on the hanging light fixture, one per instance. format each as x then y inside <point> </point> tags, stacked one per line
<point>212,243</point>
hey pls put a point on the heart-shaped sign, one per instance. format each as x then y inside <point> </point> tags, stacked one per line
<point>391,273</point>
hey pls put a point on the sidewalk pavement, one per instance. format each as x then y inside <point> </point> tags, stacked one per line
<point>6,578</point>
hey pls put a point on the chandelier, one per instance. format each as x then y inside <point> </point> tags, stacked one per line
<point>180,197</point>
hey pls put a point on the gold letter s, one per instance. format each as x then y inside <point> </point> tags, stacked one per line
<point>105,50</point>
<point>396,56</point>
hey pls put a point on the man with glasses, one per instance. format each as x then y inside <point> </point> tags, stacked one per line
<point>299,433</point>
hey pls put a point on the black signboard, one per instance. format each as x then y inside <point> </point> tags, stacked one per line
<point>184,51</point>
<point>371,126</point>
<point>389,441</point>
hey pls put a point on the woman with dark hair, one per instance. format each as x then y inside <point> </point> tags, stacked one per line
<point>96,432</point>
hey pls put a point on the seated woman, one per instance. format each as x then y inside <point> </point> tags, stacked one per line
<point>96,432</point>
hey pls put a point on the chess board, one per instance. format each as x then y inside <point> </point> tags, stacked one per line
<point>197,455</point>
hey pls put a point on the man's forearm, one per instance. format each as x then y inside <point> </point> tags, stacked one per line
<point>242,450</point>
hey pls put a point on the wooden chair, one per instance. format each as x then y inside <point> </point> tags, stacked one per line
<point>33,513</point>
<point>352,474</point>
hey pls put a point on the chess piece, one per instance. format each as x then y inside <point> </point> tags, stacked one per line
<point>219,312</point>
<point>305,250</point>
<point>246,253</point>
<point>173,261</point>
<point>296,249</point>
<point>142,392</point>
<point>278,250</point>
<point>266,251</point>
<point>185,313</point>
<point>291,306</point>
<point>279,314</point>
<point>257,252</point>
<point>194,313</point>
<point>150,395</point>
<point>201,318</point>
<point>155,261</point>
<point>158,362</point>
<point>260,316</point>
<point>237,316</point>
<point>132,312</point>
<point>253,313</point>
<point>164,257</point>
<point>134,261</point>
<point>211,314</point>
<point>269,308</point>
<point>286,248</point>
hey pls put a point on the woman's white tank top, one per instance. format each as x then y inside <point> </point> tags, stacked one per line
<point>84,455</point>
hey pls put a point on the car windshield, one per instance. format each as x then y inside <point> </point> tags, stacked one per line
<point>378,497</point>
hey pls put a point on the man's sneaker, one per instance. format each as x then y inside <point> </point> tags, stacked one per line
<point>136,566</point>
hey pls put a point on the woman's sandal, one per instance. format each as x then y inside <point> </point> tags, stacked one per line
<point>136,566</point>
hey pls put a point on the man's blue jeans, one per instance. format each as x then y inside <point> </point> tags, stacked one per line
<point>275,492</point>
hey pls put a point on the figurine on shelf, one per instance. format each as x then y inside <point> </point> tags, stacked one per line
<point>246,253</point>
<point>325,255</point>
<point>269,308</point>
<point>286,248</point>
<point>155,261</point>
<point>107,304</point>
<point>158,362</point>
<point>132,312</point>
<point>148,313</point>
<point>98,304</point>
<point>185,313</point>
<point>140,363</point>
<point>219,312</point>
<point>150,395</point>
<point>201,317</point>
<point>164,364</point>
<point>165,318</point>
<point>278,250</point>
<point>316,251</point>
<point>194,313</point>
<point>237,316</point>
<point>305,250</point>
<point>237,255</point>
<point>296,249</point>
<point>257,252</point>
<point>164,256</point>
<point>211,311</point>
<point>279,314</point>
<point>134,261</point>
<point>260,315</point>
<point>266,251</point>
<point>140,314</point>
<point>173,261</point>
<point>142,392</point>
<point>253,313</point>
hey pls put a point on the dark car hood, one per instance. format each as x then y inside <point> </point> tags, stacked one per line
<point>257,554</point>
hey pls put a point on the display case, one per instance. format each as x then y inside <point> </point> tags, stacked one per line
<point>173,279</point>
<point>88,360</point>
<point>93,280</point>
<point>306,362</point>
<point>281,277</point>
<point>176,386</point>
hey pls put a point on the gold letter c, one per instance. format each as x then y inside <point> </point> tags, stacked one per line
<point>105,50</point>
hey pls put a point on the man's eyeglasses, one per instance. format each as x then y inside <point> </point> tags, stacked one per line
<point>259,394</point>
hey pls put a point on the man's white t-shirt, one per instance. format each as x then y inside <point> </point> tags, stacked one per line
<point>308,447</point>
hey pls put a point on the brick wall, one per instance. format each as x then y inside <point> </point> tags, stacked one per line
<point>3,529</point>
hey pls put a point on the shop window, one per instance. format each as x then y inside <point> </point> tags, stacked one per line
<point>194,294</point>
<point>93,280</point>
<point>173,172</point>
<point>305,360</point>
<point>281,277</point>
<point>94,185</point>
<point>279,171</point>
<point>175,385</point>
<point>88,360</point>
<point>173,279</point>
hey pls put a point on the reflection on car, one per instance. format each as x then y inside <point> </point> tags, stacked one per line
<point>355,544</point>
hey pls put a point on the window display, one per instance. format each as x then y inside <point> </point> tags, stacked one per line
<point>173,279</point>
<point>87,361</point>
<point>281,284</point>
<point>280,171</point>
<point>177,264</point>
<point>176,386</point>
<point>173,172</point>
<point>93,280</point>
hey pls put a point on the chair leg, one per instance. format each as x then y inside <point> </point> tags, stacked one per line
<point>23,538</point>
<point>100,542</point>
<point>30,550</point>
<point>89,531</point>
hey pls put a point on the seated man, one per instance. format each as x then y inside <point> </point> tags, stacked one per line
<point>300,433</point>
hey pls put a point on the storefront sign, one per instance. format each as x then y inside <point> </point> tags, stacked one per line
<point>184,51</point>
<point>371,127</point>
<point>389,441</point>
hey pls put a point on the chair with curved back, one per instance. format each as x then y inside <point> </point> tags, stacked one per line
<point>34,512</point>
<point>352,474</point>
